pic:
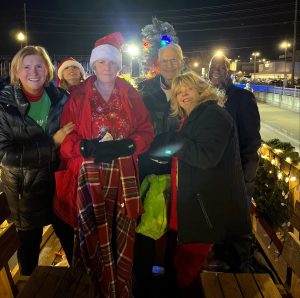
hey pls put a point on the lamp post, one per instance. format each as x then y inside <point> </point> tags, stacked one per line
<point>285,45</point>
<point>21,37</point>
<point>255,55</point>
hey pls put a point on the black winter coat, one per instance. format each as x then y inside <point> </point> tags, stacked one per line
<point>211,198</point>
<point>28,157</point>
<point>156,102</point>
<point>241,105</point>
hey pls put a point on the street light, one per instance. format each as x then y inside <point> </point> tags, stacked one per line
<point>285,45</point>
<point>134,52</point>
<point>255,55</point>
<point>21,37</point>
<point>195,64</point>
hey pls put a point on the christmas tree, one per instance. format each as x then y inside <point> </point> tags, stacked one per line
<point>155,36</point>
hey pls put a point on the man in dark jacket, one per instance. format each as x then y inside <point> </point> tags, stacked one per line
<point>156,95</point>
<point>242,106</point>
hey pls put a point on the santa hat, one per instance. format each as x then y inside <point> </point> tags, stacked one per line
<point>108,47</point>
<point>67,63</point>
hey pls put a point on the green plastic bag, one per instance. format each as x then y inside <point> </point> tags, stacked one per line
<point>155,193</point>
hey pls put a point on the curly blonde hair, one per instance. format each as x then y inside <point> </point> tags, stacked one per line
<point>205,89</point>
<point>17,61</point>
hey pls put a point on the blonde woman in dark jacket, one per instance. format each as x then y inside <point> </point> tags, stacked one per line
<point>209,201</point>
<point>30,109</point>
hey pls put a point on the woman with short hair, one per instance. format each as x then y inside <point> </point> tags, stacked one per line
<point>30,110</point>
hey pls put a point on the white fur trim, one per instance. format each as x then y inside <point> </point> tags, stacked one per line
<point>69,63</point>
<point>106,51</point>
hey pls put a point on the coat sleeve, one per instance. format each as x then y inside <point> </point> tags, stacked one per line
<point>70,145</point>
<point>143,132</point>
<point>248,125</point>
<point>205,147</point>
<point>28,152</point>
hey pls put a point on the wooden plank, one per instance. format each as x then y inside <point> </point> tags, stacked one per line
<point>34,283</point>
<point>84,287</point>
<point>5,287</point>
<point>47,253</point>
<point>248,285</point>
<point>229,285</point>
<point>4,209</point>
<point>295,219</point>
<point>291,252</point>
<point>8,244</point>
<point>266,285</point>
<point>70,282</point>
<point>295,286</point>
<point>50,285</point>
<point>210,285</point>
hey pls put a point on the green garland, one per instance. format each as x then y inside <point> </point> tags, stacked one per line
<point>271,192</point>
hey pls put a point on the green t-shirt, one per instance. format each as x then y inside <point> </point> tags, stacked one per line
<point>39,110</point>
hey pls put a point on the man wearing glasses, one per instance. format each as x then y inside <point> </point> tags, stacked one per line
<point>156,95</point>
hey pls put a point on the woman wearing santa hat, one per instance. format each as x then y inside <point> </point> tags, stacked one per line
<point>97,187</point>
<point>70,73</point>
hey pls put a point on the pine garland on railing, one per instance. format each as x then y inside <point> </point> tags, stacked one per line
<point>272,193</point>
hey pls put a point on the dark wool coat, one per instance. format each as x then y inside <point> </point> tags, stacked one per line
<point>211,198</point>
<point>241,105</point>
<point>28,157</point>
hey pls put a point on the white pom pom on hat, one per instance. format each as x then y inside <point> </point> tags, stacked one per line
<point>108,47</point>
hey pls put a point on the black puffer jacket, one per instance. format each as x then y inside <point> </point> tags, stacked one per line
<point>28,156</point>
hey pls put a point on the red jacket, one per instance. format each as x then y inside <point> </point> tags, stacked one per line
<point>78,110</point>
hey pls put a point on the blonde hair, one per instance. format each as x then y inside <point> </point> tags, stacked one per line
<point>17,61</point>
<point>173,46</point>
<point>206,91</point>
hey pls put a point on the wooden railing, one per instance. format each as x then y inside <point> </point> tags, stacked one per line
<point>282,247</point>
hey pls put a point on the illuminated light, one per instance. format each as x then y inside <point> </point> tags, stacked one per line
<point>264,145</point>
<point>165,40</point>
<point>196,64</point>
<point>133,50</point>
<point>270,172</point>
<point>285,45</point>
<point>278,150</point>
<point>286,179</point>
<point>169,152</point>
<point>219,53</point>
<point>146,44</point>
<point>273,161</point>
<point>21,36</point>
<point>279,175</point>
<point>288,159</point>
<point>293,179</point>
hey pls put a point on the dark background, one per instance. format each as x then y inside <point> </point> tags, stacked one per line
<point>67,27</point>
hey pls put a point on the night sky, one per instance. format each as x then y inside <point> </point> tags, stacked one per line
<point>67,27</point>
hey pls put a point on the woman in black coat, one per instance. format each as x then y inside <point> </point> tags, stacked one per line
<point>209,202</point>
<point>30,110</point>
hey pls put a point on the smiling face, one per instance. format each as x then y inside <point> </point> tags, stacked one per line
<point>170,64</point>
<point>187,97</point>
<point>219,72</point>
<point>106,70</point>
<point>72,75</point>
<point>32,73</point>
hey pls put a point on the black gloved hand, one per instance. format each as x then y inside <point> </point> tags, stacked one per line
<point>165,146</point>
<point>106,151</point>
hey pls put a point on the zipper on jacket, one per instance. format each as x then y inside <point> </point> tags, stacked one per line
<point>204,212</point>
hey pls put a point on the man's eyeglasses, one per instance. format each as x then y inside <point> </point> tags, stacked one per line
<point>165,62</point>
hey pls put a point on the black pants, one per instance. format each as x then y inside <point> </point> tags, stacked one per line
<point>29,250</point>
<point>65,234</point>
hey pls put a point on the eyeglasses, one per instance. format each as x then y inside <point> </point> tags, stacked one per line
<point>174,62</point>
